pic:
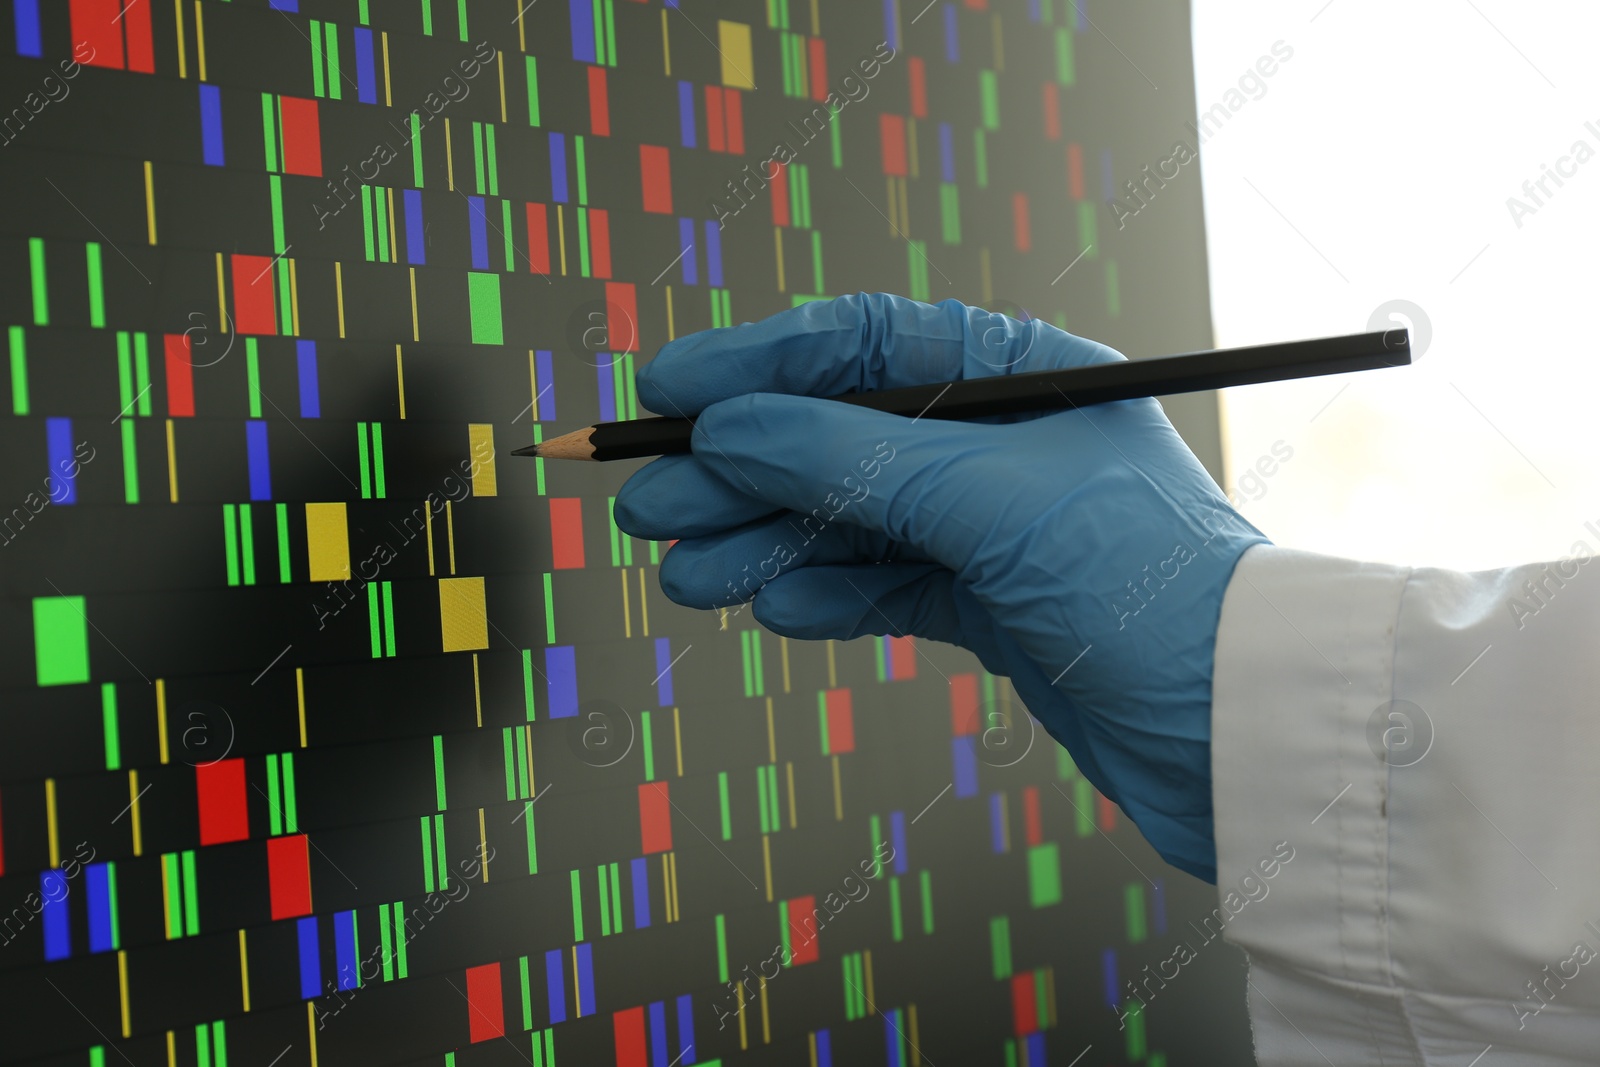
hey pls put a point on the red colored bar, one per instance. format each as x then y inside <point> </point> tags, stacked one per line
<point>1052,111</point>
<point>1024,1008</point>
<point>1019,221</point>
<point>963,704</point>
<point>919,87</point>
<point>892,131</point>
<point>289,875</point>
<point>599,107</point>
<point>715,133</point>
<point>538,239</point>
<point>902,658</point>
<point>655,818</point>
<point>224,815</point>
<point>254,307</point>
<point>803,931</point>
<point>486,1005</point>
<point>180,375</point>
<point>566,533</point>
<point>302,136</point>
<point>1030,814</point>
<point>817,50</point>
<point>141,52</point>
<point>599,243</point>
<point>627,1028</point>
<point>1075,170</point>
<point>655,173</point>
<point>622,315</point>
<point>978,5</point>
<point>780,196</point>
<point>735,109</point>
<point>841,722</point>
<point>1105,813</point>
<point>95,23</point>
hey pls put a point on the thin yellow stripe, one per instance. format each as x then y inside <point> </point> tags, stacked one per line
<point>338,288</point>
<point>477,693</point>
<point>449,159</point>
<point>311,1028</point>
<point>172,1050</point>
<point>483,837</point>
<point>200,37</point>
<point>666,49</point>
<point>300,699</point>
<point>789,772</point>
<point>772,736</point>
<point>133,804</point>
<point>1049,993</point>
<point>222,290</point>
<point>783,647</point>
<point>816,23</point>
<point>388,100</point>
<point>916,1040</point>
<point>50,821</point>
<point>766,864</point>
<point>833,668</point>
<point>501,61</point>
<point>400,379</point>
<point>644,605</point>
<point>677,739</point>
<point>161,716</point>
<point>561,234</point>
<point>744,1041</point>
<point>522,32</point>
<point>627,611</point>
<point>172,465</point>
<point>294,297</point>
<point>578,1000</point>
<point>450,533</point>
<point>244,971</point>
<point>122,991</point>
<point>677,909</point>
<point>671,328</point>
<point>766,1022</point>
<point>183,62</point>
<point>427,521</point>
<point>777,244</point>
<point>150,201</point>
<point>838,793</point>
<point>533,385</point>
<point>811,1038</point>
<point>415,336</point>
<point>911,145</point>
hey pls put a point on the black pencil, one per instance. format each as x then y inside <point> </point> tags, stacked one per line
<point>1047,390</point>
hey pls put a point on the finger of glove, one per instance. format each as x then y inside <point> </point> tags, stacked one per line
<point>856,343</point>
<point>678,497</point>
<point>731,566</point>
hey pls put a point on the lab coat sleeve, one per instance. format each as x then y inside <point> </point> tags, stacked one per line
<point>1424,743</point>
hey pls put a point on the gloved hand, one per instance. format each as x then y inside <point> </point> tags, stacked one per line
<point>1082,553</point>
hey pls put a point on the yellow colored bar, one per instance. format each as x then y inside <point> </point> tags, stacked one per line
<point>666,47</point>
<point>483,837</point>
<point>644,605</point>
<point>161,716</point>
<point>838,793</point>
<point>427,519</point>
<point>477,703</point>
<point>311,1028</point>
<point>338,287</point>
<point>766,1020</point>
<point>480,439</point>
<point>783,647</point>
<point>449,158</point>
<point>561,235</point>
<point>133,805</point>
<point>400,379</point>
<point>766,863</point>
<point>671,327</point>
<point>200,37</point>
<point>463,617</point>
<point>777,244</point>
<point>50,822</point>
<point>222,289</point>
<point>627,614</point>
<point>388,98</point>
<point>172,464</point>
<point>789,771</point>
<point>500,60</point>
<point>677,739</point>
<point>415,336</point>
<point>300,698</point>
<point>122,992</point>
<point>328,542</point>
<point>183,61</point>
<point>244,971</point>
<point>150,201</point>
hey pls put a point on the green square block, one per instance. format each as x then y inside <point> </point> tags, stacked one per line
<point>1044,875</point>
<point>60,640</point>
<point>483,297</point>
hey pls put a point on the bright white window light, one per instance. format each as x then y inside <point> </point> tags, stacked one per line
<point>1432,164</point>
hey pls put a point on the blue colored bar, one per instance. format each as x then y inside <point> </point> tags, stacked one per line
<point>544,373</point>
<point>641,894</point>
<point>606,379</point>
<point>889,32</point>
<point>255,439</point>
<point>561,673</point>
<point>97,882</point>
<point>53,890</point>
<point>310,959</point>
<point>963,750</point>
<point>658,1030</point>
<point>824,1049</point>
<point>366,68</point>
<point>997,822</point>
<point>211,125</point>
<point>310,396</point>
<point>897,835</point>
<point>686,1023</point>
<point>63,478</point>
<point>691,273</point>
<point>479,226</point>
<point>686,114</point>
<point>952,44</point>
<point>664,671</point>
<point>1082,8</point>
<point>1108,970</point>
<point>344,949</point>
<point>947,155</point>
<point>1034,1043</point>
<point>891,1037</point>
<point>416,240</point>
<point>1034,14</point>
<point>555,979</point>
<point>585,979</point>
<point>713,254</point>
<point>284,5</point>
<point>582,31</point>
<point>558,165</point>
<point>29,41</point>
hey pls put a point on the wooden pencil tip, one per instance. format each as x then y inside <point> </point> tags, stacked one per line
<point>574,445</point>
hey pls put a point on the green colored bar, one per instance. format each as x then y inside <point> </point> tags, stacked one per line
<point>378,488</point>
<point>633,413</point>
<point>849,993</point>
<point>41,298</point>
<point>388,944</point>
<point>549,621</point>
<point>616,899</point>
<point>583,242</point>
<point>605,903</point>
<point>108,711</point>
<point>722,948</point>
<point>527,999</point>
<point>611,32</point>
<point>1011,1053</point>
<point>1088,230</point>
<point>722,799</point>
<point>1044,875</point>
<point>285,299</point>
<point>388,619</point>
<point>366,462</point>
<point>833,137</point>
<point>247,543</point>
<point>97,286</point>
<point>111,893</point>
<point>755,660</point>
<point>1065,68</point>
<point>950,212</point>
<point>316,59</point>
<point>438,760</point>
<point>274,797</point>
<point>647,740</point>
<point>427,859</point>
<point>1064,765</point>
<point>230,543</point>
<point>527,679</point>
<point>744,661</point>
<point>727,307</point>
<point>1133,906</point>
<point>761,799</point>
<point>461,13</point>
<point>477,156</point>
<point>533,91</point>
<point>372,619</point>
<point>400,939</point>
<point>577,907</point>
<point>380,215</point>
<point>599,34</point>
<point>876,830</point>
<point>511,764</point>
<point>364,14</point>
<point>202,1045</point>
<point>19,370</point>
<point>1134,1042</point>
<point>130,463</point>
<point>191,896</point>
<point>483,300</point>
<point>416,149</point>
<point>269,130</point>
<point>366,221</point>
<point>505,217</point>
<point>335,90</point>
<point>1041,996</point>
<point>533,845</point>
<point>1000,946</point>
<point>520,740</point>
<point>124,372</point>
<point>1084,802</point>
<point>877,657</point>
<point>60,640</point>
<point>97,1056</point>
<point>538,464</point>
<point>283,543</point>
<point>583,169</point>
<point>895,926</point>
<point>439,852</point>
<point>783,930</point>
<point>989,90</point>
<point>980,152</point>
<point>291,817</point>
<point>169,862</point>
<point>427,17</point>
<point>1113,291</point>
<point>141,371</point>
<point>822,718</point>
<point>927,902</point>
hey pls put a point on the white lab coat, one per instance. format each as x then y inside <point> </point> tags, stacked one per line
<point>1437,912</point>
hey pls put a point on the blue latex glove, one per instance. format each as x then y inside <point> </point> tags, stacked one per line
<point>1082,553</point>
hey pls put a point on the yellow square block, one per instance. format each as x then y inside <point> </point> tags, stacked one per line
<point>327,542</point>
<point>733,41</point>
<point>480,438</point>
<point>463,616</point>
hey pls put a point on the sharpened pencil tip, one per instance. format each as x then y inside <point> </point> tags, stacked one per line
<point>574,445</point>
